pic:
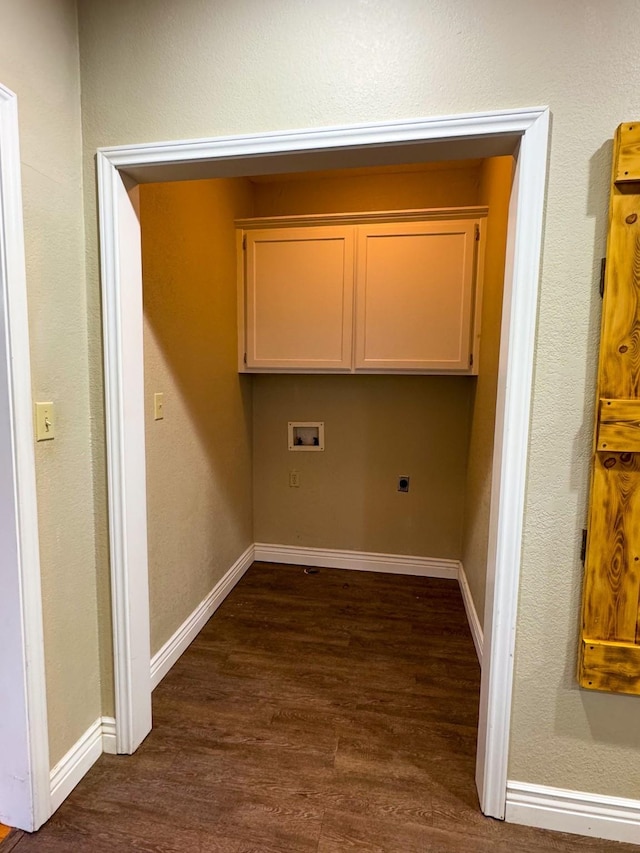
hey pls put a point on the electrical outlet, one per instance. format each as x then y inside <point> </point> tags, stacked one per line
<point>294,479</point>
<point>403,483</point>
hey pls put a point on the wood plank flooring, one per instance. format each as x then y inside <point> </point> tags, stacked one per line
<point>315,713</point>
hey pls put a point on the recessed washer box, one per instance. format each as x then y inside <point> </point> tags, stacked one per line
<point>306,435</point>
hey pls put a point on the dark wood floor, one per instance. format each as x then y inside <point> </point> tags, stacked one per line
<point>315,713</point>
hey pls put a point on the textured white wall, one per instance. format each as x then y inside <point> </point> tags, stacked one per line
<point>39,62</point>
<point>155,69</point>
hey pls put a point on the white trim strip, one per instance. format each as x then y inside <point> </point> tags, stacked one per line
<point>472,614</point>
<point>515,374</point>
<point>121,267</point>
<point>176,645</point>
<point>613,818</point>
<point>363,561</point>
<point>109,735</point>
<point>474,125</point>
<point>24,747</point>
<point>73,766</point>
<point>368,217</point>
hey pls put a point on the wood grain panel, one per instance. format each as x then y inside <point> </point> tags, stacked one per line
<point>614,667</point>
<point>611,591</point>
<point>612,584</point>
<point>619,426</point>
<point>627,167</point>
<point>619,375</point>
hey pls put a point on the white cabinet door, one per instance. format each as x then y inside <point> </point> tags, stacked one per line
<point>415,295</point>
<point>299,298</point>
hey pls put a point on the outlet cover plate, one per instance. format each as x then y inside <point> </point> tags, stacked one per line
<point>45,421</point>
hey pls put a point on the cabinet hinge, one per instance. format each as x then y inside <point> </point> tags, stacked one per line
<point>470,359</point>
<point>245,358</point>
<point>244,241</point>
<point>477,232</point>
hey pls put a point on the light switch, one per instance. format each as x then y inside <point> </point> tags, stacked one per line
<point>45,421</point>
<point>158,406</point>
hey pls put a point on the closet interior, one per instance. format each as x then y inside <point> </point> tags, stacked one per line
<point>353,313</point>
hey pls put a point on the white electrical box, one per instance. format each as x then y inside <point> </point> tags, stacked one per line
<point>306,435</point>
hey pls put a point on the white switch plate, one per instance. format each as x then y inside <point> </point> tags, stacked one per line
<point>45,421</point>
<point>158,406</point>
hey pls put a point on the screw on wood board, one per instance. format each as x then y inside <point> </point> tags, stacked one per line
<point>631,218</point>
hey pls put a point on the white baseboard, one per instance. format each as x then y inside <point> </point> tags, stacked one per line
<point>73,766</point>
<point>165,658</point>
<point>109,735</point>
<point>99,737</point>
<point>472,613</point>
<point>363,561</point>
<point>558,809</point>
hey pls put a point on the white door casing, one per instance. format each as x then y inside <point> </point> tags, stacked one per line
<point>24,749</point>
<point>484,134</point>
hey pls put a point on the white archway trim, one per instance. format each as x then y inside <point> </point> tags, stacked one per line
<point>24,765</point>
<point>513,407</point>
<point>122,317</point>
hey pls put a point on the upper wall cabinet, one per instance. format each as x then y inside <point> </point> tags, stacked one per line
<point>299,298</point>
<point>392,292</point>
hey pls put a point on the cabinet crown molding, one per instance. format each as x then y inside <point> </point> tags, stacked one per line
<point>370,217</point>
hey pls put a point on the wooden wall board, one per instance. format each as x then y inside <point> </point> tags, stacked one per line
<point>609,655</point>
<point>614,667</point>
<point>627,163</point>
<point>619,426</point>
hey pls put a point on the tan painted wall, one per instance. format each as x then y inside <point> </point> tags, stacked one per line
<point>376,427</point>
<point>426,185</point>
<point>495,190</point>
<point>39,62</point>
<point>243,67</point>
<point>199,487</point>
